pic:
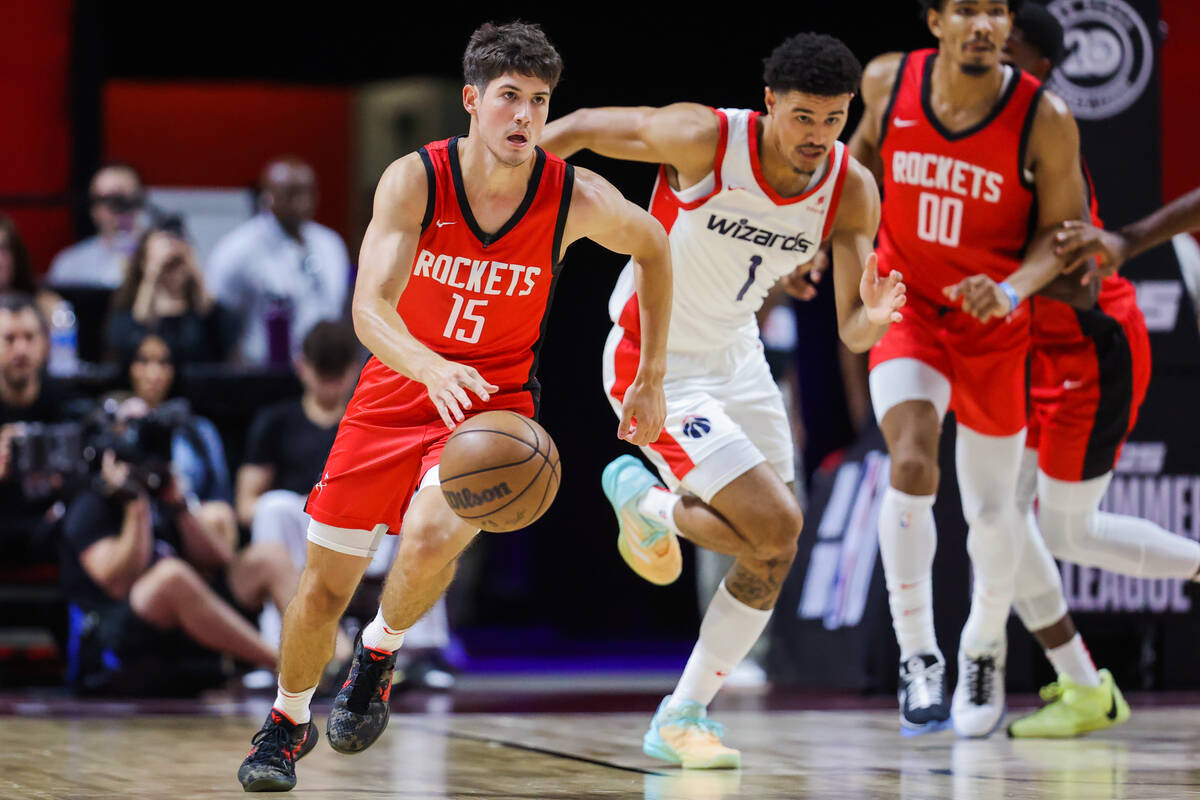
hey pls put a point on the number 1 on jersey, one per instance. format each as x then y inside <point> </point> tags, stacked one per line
<point>468,315</point>
<point>754,262</point>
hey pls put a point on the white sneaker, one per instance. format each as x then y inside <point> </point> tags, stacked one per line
<point>978,704</point>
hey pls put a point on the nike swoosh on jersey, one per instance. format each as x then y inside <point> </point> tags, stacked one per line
<point>904,123</point>
<point>441,224</point>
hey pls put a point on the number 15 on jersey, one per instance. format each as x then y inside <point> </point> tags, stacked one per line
<point>467,309</point>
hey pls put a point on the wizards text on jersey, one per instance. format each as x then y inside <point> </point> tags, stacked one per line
<point>742,230</point>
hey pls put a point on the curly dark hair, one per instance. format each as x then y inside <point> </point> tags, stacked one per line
<point>23,279</point>
<point>519,47</point>
<point>813,63</point>
<point>1013,6</point>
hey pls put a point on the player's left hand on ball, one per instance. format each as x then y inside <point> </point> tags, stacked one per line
<point>883,297</point>
<point>643,412</point>
<point>981,297</point>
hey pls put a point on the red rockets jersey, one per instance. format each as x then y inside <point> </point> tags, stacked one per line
<point>955,204</point>
<point>1056,324</point>
<point>472,297</point>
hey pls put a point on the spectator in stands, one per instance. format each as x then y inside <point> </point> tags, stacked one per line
<point>16,268</point>
<point>163,293</point>
<point>286,448</point>
<point>26,396</point>
<point>138,566</point>
<point>197,454</point>
<point>116,197</point>
<point>280,273</point>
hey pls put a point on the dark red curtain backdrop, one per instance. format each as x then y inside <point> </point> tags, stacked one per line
<point>1181,97</point>
<point>35,131</point>
<point>210,134</point>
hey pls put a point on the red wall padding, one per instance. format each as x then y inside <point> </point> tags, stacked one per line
<point>1180,97</point>
<point>200,134</point>
<point>35,135</point>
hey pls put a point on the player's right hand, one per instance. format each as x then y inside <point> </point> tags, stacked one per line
<point>643,412</point>
<point>1076,241</point>
<point>448,382</point>
<point>801,283</point>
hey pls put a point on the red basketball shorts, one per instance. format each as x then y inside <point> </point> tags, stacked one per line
<point>984,363</point>
<point>372,473</point>
<point>1084,394</point>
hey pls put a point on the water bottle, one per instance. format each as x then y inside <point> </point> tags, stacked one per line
<point>64,342</point>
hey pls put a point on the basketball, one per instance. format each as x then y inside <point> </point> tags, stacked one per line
<point>500,471</point>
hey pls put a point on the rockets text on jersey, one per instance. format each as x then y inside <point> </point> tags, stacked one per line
<point>955,203</point>
<point>478,298</point>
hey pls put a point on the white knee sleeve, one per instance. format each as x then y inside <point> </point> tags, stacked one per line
<point>1027,480</point>
<point>987,469</point>
<point>987,481</point>
<point>1038,600</point>
<point>1075,531</point>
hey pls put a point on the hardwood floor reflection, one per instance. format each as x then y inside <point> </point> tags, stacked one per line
<point>811,754</point>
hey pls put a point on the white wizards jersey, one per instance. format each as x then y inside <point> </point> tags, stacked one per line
<point>732,238</point>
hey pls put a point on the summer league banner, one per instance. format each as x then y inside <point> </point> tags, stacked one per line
<point>833,629</point>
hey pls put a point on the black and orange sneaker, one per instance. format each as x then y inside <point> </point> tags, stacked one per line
<point>360,710</point>
<point>271,763</point>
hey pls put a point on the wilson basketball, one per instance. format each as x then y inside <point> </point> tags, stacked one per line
<point>500,471</point>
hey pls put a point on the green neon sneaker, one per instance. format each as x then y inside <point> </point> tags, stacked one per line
<point>650,548</point>
<point>1072,710</point>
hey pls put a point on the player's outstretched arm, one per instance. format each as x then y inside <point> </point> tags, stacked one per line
<point>1076,242</point>
<point>1058,181</point>
<point>384,262</point>
<point>878,79</point>
<point>600,213</point>
<point>683,135</point>
<point>866,303</point>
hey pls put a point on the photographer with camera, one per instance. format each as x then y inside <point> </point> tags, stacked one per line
<point>147,577</point>
<point>163,293</point>
<point>27,399</point>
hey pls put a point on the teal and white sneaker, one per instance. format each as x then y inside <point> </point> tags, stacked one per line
<point>686,736</point>
<point>650,548</point>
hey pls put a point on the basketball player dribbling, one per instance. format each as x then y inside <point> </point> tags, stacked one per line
<point>456,273</point>
<point>974,157</point>
<point>747,199</point>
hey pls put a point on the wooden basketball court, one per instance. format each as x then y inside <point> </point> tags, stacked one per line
<point>121,752</point>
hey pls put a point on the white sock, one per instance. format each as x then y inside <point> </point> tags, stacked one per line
<point>294,705</point>
<point>378,636</point>
<point>1073,660</point>
<point>659,504</point>
<point>907,541</point>
<point>727,632</point>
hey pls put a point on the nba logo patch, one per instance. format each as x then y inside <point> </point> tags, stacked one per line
<point>696,427</point>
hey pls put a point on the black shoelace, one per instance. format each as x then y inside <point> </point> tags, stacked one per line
<point>370,673</point>
<point>979,679</point>
<point>277,737</point>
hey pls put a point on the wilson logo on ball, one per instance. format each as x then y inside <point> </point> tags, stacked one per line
<point>468,499</point>
<point>696,427</point>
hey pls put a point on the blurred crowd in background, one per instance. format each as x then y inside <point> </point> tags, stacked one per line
<point>174,553</point>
